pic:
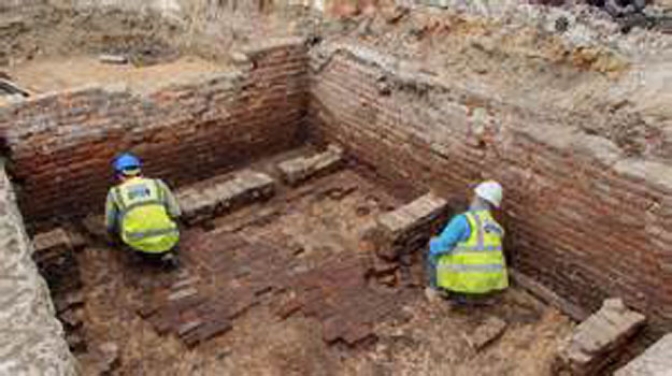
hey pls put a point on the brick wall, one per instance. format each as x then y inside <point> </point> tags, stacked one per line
<point>581,218</point>
<point>62,144</point>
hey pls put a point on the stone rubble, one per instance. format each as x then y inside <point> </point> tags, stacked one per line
<point>213,197</point>
<point>599,339</point>
<point>656,361</point>
<point>486,333</point>
<point>298,170</point>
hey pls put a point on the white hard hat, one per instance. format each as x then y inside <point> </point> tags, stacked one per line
<point>490,191</point>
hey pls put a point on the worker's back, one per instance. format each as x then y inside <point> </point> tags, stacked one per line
<point>476,265</point>
<point>144,222</point>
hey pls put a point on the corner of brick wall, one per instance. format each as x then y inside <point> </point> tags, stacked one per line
<point>31,338</point>
<point>582,218</point>
<point>62,144</point>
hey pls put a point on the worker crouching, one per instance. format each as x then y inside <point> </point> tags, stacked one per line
<point>142,213</point>
<point>466,259</point>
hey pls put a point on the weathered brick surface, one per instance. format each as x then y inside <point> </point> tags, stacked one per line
<point>582,218</point>
<point>298,170</point>
<point>62,143</point>
<point>227,273</point>
<point>656,361</point>
<point>599,339</point>
<point>407,228</point>
<point>212,197</point>
<point>55,257</point>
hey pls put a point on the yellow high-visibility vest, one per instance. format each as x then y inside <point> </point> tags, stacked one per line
<point>144,221</point>
<point>476,265</point>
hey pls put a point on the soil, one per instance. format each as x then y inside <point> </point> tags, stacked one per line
<point>322,220</point>
<point>56,74</point>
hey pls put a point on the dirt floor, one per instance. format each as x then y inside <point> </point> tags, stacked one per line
<point>284,278</point>
<point>48,75</point>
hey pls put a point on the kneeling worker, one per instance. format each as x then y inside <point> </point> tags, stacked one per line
<point>467,258</point>
<point>142,212</point>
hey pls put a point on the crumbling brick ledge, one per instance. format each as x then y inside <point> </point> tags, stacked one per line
<point>31,338</point>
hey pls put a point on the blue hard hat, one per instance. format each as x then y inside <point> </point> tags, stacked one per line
<point>126,162</point>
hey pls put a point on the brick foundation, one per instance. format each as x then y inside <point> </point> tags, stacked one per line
<point>582,218</point>
<point>62,143</point>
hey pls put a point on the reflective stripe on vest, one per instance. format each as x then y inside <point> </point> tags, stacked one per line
<point>476,265</point>
<point>150,233</point>
<point>480,238</point>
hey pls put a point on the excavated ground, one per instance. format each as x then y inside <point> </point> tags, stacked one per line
<point>278,288</point>
<point>57,74</point>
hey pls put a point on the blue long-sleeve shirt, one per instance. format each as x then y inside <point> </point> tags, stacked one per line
<point>457,230</point>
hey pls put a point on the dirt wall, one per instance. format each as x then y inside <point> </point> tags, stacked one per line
<point>62,143</point>
<point>582,218</point>
<point>31,338</point>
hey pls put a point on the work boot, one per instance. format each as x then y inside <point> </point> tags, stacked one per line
<point>170,261</point>
<point>434,295</point>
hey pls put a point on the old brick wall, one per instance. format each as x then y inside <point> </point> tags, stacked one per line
<point>582,218</point>
<point>62,144</point>
<point>31,338</point>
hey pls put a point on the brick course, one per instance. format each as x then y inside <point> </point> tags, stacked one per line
<point>582,218</point>
<point>62,143</point>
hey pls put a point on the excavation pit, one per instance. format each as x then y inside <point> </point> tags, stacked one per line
<point>286,275</point>
<point>284,157</point>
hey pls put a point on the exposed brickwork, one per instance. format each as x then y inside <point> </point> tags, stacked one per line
<point>226,274</point>
<point>581,217</point>
<point>599,339</point>
<point>213,197</point>
<point>300,169</point>
<point>55,257</point>
<point>408,228</point>
<point>62,144</point>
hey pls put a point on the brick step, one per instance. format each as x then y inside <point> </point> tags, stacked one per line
<point>301,169</point>
<point>408,227</point>
<point>214,197</point>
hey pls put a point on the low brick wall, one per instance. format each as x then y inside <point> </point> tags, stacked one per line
<point>31,338</point>
<point>62,144</point>
<point>582,218</point>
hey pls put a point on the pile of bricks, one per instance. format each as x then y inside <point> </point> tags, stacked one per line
<point>599,339</point>
<point>213,197</point>
<point>54,254</point>
<point>656,360</point>
<point>298,170</point>
<point>396,235</point>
